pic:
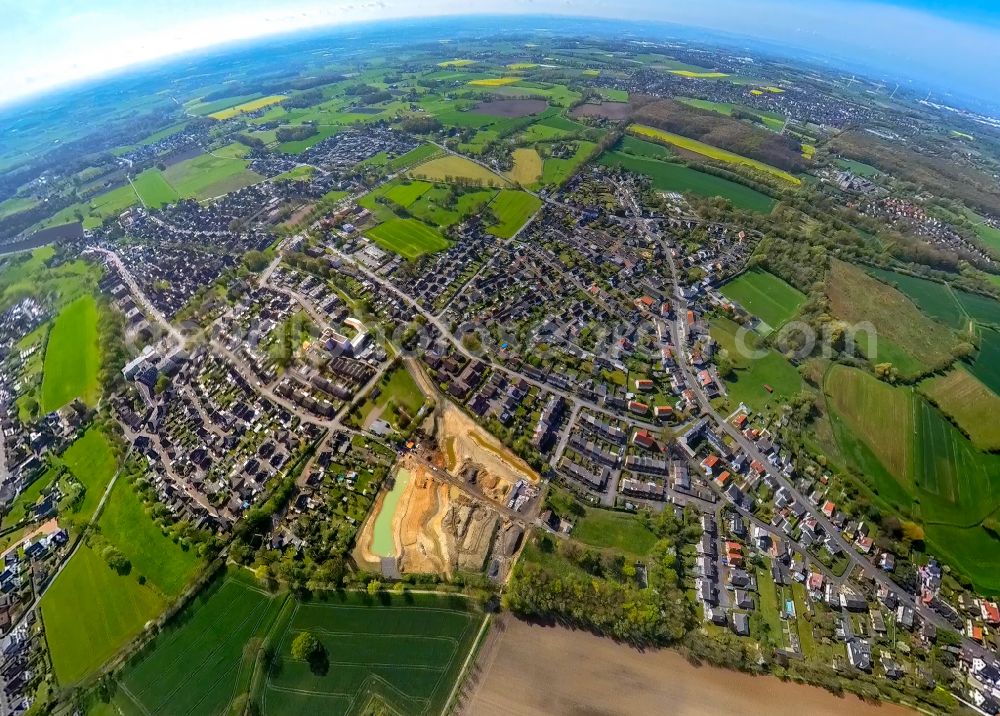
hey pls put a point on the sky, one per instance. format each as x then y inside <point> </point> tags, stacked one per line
<point>50,43</point>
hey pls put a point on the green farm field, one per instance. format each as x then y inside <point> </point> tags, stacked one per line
<point>400,654</point>
<point>765,296</point>
<point>920,464</point>
<point>94,211</point>
<point>963,398</point>
<point>986,365</point>
<point>14,205</point>
<point>203,659</point>
<point>710,152</point>
<point>771,120</point>
<point>935,299</point>
<point>672,177</point>
<point>982,309</point>
<point>72,357</point>
<point>881,415</point>
<point>410,238</point>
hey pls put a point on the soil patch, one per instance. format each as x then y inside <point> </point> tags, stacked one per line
<point>534,670</point>
<point>511,107</point>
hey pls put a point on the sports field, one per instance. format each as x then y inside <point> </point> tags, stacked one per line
<point>212,173</point>
<point>72,357</point>
<point>204,659</point>
<point>395,654</point>
<point>766,296</point>
<point>512,208</point>
<point>710,152</point>
<point>973,406</point>
<point>90,612</point>
<point>667,176</point>
<point>251,106</point>
<point>455,169</point>
<point>153,189</point>
<point>410,238</point>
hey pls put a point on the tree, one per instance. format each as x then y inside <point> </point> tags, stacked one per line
<point>373,587</point>
<point>255,260</point>
<point>305,646</point>
<point>116,560</point>
<point>30,406</point>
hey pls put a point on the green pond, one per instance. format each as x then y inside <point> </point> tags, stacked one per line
<point>383,544</point>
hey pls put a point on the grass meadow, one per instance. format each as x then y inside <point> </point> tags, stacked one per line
<point>399,653</point>
<point>512,209</point>
<point>212,173</point>
<point>969,403</point>
<point>92,461</point>
<point>90,612</point>
<point>410,238</point>
<point>750,376</point>
<point>606,529</point>
<point>913,342</point>
<point>72,357</point>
